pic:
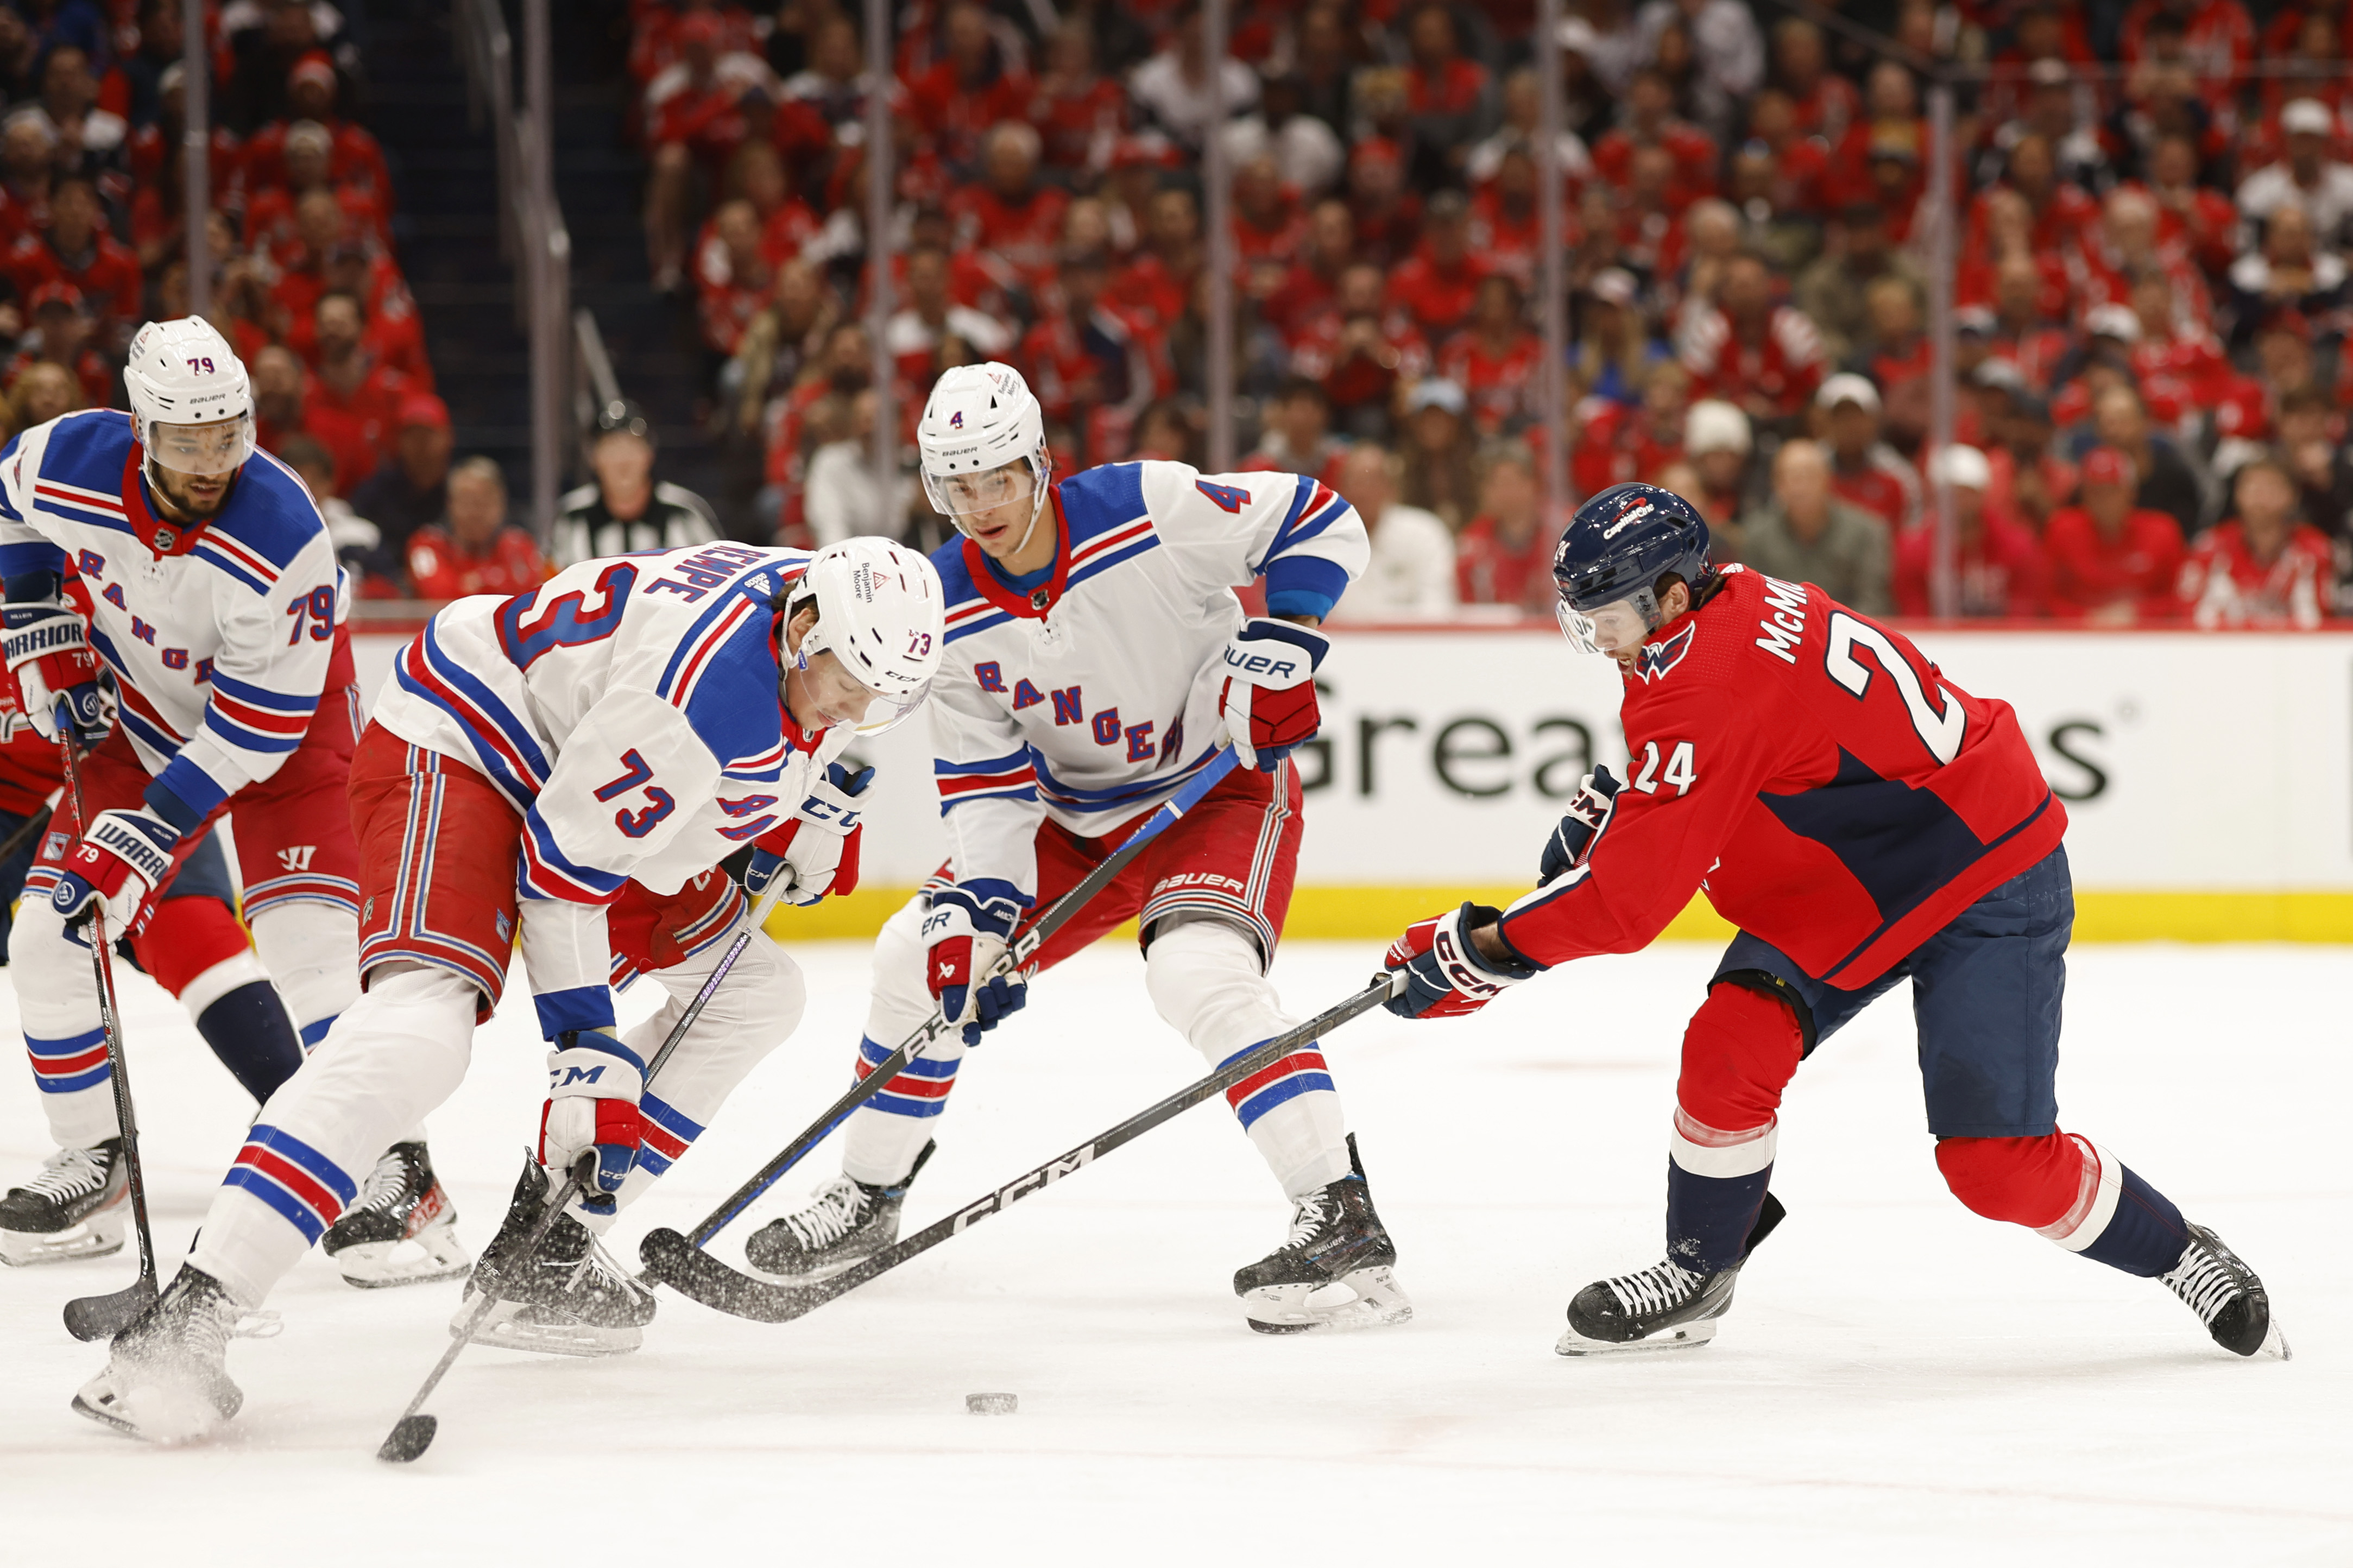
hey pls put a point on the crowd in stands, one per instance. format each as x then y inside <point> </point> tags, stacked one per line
<point>2153,213</point>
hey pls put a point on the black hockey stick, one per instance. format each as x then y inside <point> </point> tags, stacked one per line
<point>1025,947</point>
<point>24,829</point>
<point>677,1262</point>
<point>97,1317</point>
<point>413,1433</point>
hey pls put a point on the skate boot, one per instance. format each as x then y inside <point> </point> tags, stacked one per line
<point>848,1221</point>
<point>402,1229</point>
<point>74,1208</point>
<point>166,1379</point>
<point>565,1296</point>
<point>1336,1239</point>
<point>1664,1307</point>
<point>2229,1299</point>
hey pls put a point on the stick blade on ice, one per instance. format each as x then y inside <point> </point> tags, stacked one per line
<point>104,1317</point>
<point>410,1436</point>
<point>693,1273</point>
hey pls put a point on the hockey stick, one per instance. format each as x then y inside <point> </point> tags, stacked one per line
<point>678,1263</point>
<point>24,830</point>
<point>1025,947</point>
<point>413,1433</point>
<point>96,1317</point>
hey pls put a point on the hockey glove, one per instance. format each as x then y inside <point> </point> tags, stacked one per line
<point>816,851</point>
<point>1445,974</point>
<point>1268,697</point>
<point>967,934</point>
<point>46,649</point>
<point>593,1083</point>
<point>124,856</point>
<point>1572,841</point>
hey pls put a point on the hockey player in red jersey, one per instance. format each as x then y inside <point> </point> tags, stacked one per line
<point>1863,820</point>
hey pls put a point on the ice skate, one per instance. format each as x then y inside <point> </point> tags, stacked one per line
<point>565,1297</point>
<point>1662,1308</point>
<point>402,1230</point>
<point>166,1379</point>
<point>847,1222</point>
<point>75,1208</point>
<point>2214,1283</point>
<point>1336,1239</point>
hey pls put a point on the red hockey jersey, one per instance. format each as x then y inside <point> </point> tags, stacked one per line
<point>1814,775</point>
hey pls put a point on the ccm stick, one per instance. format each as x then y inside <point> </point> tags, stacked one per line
<point>675,1261</point>
<point>414,1432</point>
<point>1018,956</point>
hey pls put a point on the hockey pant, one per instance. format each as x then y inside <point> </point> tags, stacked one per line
<point>1986,996</point>
<point>1210,894</point>
<point>293,839</point>
<point>403,1049</point>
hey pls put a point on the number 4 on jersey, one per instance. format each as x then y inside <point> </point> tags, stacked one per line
<point>1230,497</point>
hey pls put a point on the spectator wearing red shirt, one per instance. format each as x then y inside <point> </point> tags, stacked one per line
<point>2112,563</point>
<point>1079,113</point>
<point>1617,443</point>
<point>1152,289</point>
<point>269,220</point>
<point>1358,348</point>
<point>1270,226</point>
<point>971,89</point>
<point>1751,352</point>
<point>1437,284</point>
<point>1387,215</point>
<point>1894,347</point>
<point>1495,361</point>
<point>1298,437</point>
<point>1822,103</point>
<point>2001,566</point>
<point>2058,211</point>
<point>356,159</point>
<point>28,175</point>
<point>76,248</point>
<point>62,335</point>
<point>280,388</point>
<point>1651,121</point>
<point>914,333</point>
<point>2197,216</point>
<point>1865,472</point>
<point>1800,182</point>
<point>731,276</point>
<point>1504,555</point>
<point>294,295</point>
<point>1086,365</point>
<point>1450,101</point>
<point>1315,275</point>
<point>1504,226</point>
<point>2218,39</point>
<point>472,549</point>
<point>2261,568</point>
<point>694,113</point>
<point>353,406</point>
<point>1011,218</point>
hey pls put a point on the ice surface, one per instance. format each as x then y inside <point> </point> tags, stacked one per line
<point>1899,1382</point>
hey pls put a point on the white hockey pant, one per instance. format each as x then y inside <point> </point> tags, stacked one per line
<point>403,1049</point>
<point>1206,978</point>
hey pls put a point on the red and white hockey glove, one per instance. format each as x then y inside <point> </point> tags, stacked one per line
<point>593,1083</point>
<point>966,933</point>
<point>124,856</point>
<point>816,851</point>
<point>1588,811</point>
<point>47,648</point>
<point>1268,697</point>
<point>1445,977</point>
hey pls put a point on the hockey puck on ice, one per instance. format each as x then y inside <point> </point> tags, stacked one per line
<point>991,1404</point>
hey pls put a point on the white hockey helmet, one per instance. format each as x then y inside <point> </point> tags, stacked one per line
<point>879,609</point>
<point>191,401</point>
<point>980,418</point>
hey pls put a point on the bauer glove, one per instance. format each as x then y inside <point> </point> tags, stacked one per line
<point>816,851</point>
<point>594,1082</point>
<point>1589,812</point>
<point>46,649</point>
<point>1445,977</point>
<point>1268,694</point>
<point>966,933</point>
<point>124,856</point>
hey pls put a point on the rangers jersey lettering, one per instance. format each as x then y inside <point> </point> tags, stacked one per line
<point>1091,695</point>
<point>218,637</point>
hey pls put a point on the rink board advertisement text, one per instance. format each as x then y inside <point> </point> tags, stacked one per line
<point>2209,778</point>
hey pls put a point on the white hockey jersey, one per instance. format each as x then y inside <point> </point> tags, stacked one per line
<point>219,638</point>
<point>628,709</point>
<point>1093,696</point>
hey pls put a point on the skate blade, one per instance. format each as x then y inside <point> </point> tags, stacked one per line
<point>1682,1337</point>
<point>431,1255</point>
<point>2274,1343</point>
<point>1379,1302</point>
<point>507,1328</point>
<point>167,1416</point>
<point>99,1236</point>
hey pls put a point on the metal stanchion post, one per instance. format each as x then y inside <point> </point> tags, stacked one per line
<point>1945,577</point>
<point>195,150</point>
<point>1219,366</point>
<point>880,175</point>
<point>1552,388</point>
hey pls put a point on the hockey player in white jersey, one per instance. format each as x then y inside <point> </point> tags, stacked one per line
<point>1097,660</point>
<point>566,767</point>
<point>215,623</point>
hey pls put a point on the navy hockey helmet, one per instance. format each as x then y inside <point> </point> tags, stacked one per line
<point>1615,550</point>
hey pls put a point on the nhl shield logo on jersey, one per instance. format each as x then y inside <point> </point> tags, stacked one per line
<point>1656,658</point>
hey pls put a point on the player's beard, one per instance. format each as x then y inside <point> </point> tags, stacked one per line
<point>180,505</point>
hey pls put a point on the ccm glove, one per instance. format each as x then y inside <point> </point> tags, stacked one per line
<point>967,935</point>
<point>125,856</point>
<point>1572,841</point>
<point>46,649</point>
<point>1445,977</point>
<point>1268,694</point>
<point>593,1083</point>
<point>816,851</point>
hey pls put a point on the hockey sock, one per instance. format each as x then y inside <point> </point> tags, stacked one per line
<point>2069,1190</point>
<point>1739,1052</point>
<point>1715,1185</point>
<point>248,1030</point>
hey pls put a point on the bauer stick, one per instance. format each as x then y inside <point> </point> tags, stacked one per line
<point>677,1262</point>
<point>413,1433</point>
<point>96,1317</point>
<point>1023,949</point>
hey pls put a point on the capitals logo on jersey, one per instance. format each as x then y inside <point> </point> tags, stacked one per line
<point>1656,658</point>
